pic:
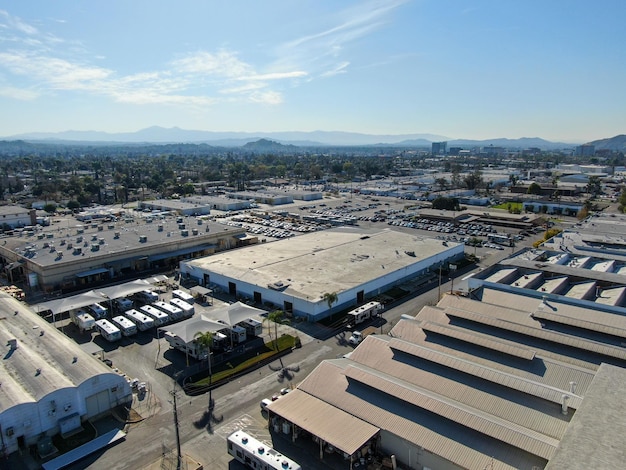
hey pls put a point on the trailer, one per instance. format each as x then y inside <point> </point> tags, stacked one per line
<point>238,334</point>
<point>253,327</point>
<point>191,349</point>
<point>127,327</point>
<point>172,311</point>
<point>143,321</point>
<point>256,454</point>
<point>108,330</point>
<point>122,304</point>
<point>188,309</point>
<point>82,320</point>
<point>98,311</point>
<point>182,295</point>
<point>364,312</point>
<point>160,318</point>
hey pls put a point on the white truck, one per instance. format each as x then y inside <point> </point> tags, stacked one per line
<point>82,320</point>
<point>358,336</point>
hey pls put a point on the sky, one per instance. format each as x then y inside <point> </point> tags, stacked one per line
<point>463,69</point>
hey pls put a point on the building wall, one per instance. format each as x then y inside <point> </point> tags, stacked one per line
<point>412,456</point>
<point>316,309</point>
<point>34,419</point>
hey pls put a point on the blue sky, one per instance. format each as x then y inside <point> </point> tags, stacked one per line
<point>473,69</point>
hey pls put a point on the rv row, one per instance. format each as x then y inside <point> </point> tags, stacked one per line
<point>130,321</point>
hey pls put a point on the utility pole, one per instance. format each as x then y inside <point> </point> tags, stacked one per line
<point>179,456</point>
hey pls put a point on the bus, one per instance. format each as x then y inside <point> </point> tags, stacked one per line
<point>108,330</point>
<point>256,454</point>
<point>160,317</point>
<point>172,310</point>
<point>187,308</point>
<point>500,239</point>
<point>127,327</point>
<point>143,321</point>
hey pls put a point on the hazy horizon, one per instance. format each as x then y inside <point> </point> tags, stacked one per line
<point>475,70</point>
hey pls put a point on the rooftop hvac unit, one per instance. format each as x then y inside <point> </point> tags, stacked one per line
<point>95,247</point>
<point>12,343</point>
<point>94,238</point>
<point>78,250</point>
<point>160,228</point>
<point>101,241</point>
<point>79,239</point>
<point>194,231</point>
<point>62,242</point>
<point>143,238</point>
<point>111,226</point>
<point>116,235</point>
<point>181,226</point>
<point>69,245</point>
<point>100,228</point>
<point>184,233</point>
<point>49,235</point>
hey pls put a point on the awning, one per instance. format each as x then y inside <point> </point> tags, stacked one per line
<point>91,272</point>
<point>235,313</point>
<point>176,253</point>
<point>200,290</point>
<point>69,303</point>
<point>333,425</point>
<point>188,329</point>
<point>13,265</point>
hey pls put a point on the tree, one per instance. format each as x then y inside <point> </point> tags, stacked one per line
<point>205,341</point>
<point>330,298</point>
<point>594,186</point>
<point>277,316</point>
<point>50,208</point>
<point>534,188</point>
<point>442,183</point>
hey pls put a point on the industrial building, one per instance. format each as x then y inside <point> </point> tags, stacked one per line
<point>48,384</point>
<point>67,256</point>
<point>16,216</point>
<point>495,380</point>
<point>294,274</point>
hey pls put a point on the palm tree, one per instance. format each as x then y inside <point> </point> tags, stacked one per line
<point>205,341</point>
<point>330,298</point>
<point>277,317</point>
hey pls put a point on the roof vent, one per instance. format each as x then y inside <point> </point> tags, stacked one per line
<point>100,228</point>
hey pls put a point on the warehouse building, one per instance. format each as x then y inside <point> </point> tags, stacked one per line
<point>49,385</point>
<point>496,380</point>
<point>68,257</point>
<point>294,274</point>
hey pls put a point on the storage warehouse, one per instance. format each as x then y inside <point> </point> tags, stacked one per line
<point>49,385</point>
<point>295,273</point>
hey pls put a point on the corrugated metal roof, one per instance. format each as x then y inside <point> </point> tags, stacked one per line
<point>506,431</point>
<point>551,336</point>
<point>458,444</point>
<point>333,425</point>
<point>580,323</point>
<point>480,340</point>
<point>530,387</point>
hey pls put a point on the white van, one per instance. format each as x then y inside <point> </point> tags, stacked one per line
<point>264,403</point>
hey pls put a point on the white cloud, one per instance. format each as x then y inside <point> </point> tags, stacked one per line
<point>20,94</point>
<point>339,68</point>
<point>274,76</point>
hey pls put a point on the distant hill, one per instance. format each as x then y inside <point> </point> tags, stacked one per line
<point>265,145</point>
<point>615,144</point>
<point>176,135</point>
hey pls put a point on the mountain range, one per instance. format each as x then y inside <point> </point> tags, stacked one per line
<point>161,135</point>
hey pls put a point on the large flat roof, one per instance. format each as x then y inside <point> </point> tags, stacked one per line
<point>114,238</point>
<point>327,261</point>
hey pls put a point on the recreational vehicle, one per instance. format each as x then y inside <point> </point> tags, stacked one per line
<point>98,311</point>
<point>364,312</point>
<point>127,327</point>
<point>192,349</point>
<point>187,308</point>
<point>253,327</point>
<point>108,330</point>
<point>256,454</point>
<point>143,321</point>
<point>160,317</point>
<point>82,320</point>
<point>182,295</point>
<point>172,311</point>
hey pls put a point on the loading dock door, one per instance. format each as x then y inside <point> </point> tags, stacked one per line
<point>98,403</point>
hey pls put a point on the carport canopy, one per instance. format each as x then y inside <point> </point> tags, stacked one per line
<point>235,313</point>
<point>128,288</point>
<point>188,329</point>
<point>69,303</point>
<point>333,425</point>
